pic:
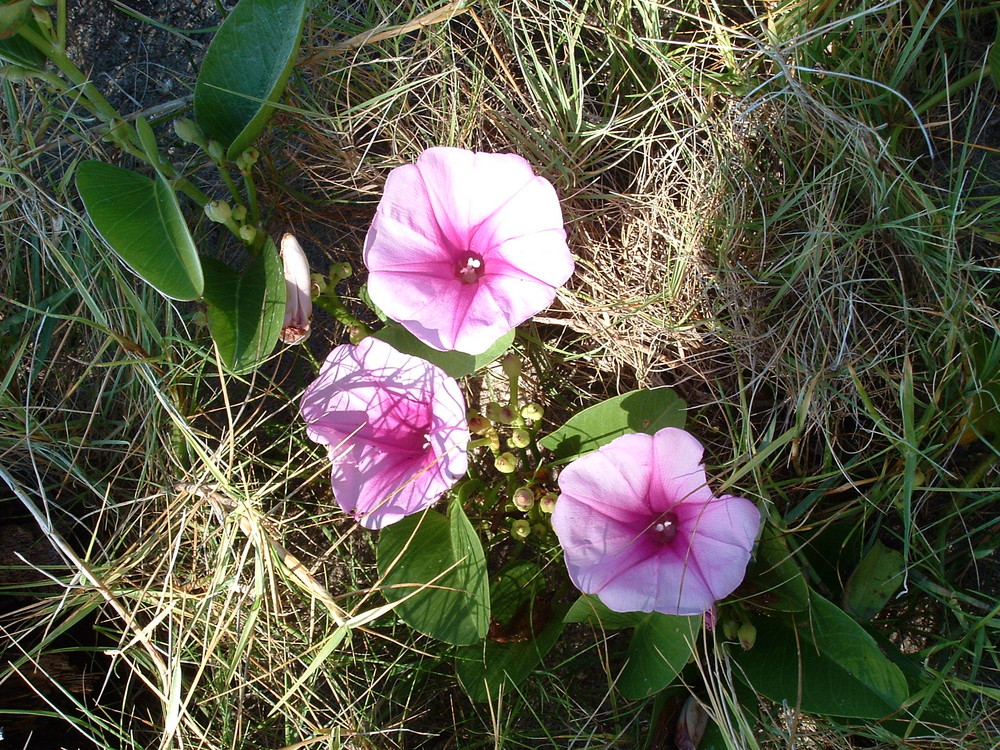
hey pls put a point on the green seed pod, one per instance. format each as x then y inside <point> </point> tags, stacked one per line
<point>506,463</point>
<point>547,502</point>
<point>239,213</point>
<point>523,499</point>
<point>189,132</point>
<point>533,411</point>
<point>519,438</point>
<point>520,529</point>
<point>747,635</point>
<point>218,211</point>
<point>480,425</point>
<point>248,233</point>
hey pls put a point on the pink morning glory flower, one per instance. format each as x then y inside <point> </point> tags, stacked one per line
<point>395,426</point>
<point>298,291</point>
<point>465,246</point>
<point>641,529</point>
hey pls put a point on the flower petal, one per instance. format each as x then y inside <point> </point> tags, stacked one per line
<point>678,474</point>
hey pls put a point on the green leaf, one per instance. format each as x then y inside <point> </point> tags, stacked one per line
<point>645,411</point>
<point>660,647</point>
<point>142,222</point>
<point>434,567</point>
<point>842,671</point>
<point>245,310</point>
<point>778,579</point>
<point>874,581</point>
<point>456,364</point>
<point>588,608</point>
<point>524,628</point>
<point>245,70</point>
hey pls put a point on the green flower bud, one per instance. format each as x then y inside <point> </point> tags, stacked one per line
<point>520,529</point>
<point>532,411</point>
<point>519,438</point>
<point>523,499</point>
<point>246,160</point>
<point>189,132</point>
<point>539,529</point>
<point>747,635</point>
<point>215,150</point>
<point>493,411</point>
<point>494,439</point>
<point>730,628</point>
<point>511,365</point>
<point>239,212</point>
<point>319,283</point>
<point>479,425</point>
<point>341,271</point>
<point>218,211</point>
<point>547,502</point>
<point>248,233</point>
<point>505,463</point>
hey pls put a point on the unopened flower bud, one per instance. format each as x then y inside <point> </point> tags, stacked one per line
<point>539,529</point>
<point>730,628</point>
<point>246,160</point>
<point>506,463</point>
<point>248,233</point>
<point>215,150</point>
<point>239,212</point>
<point>547,502</point>
<point>519,438</point>
<point>520,529</point>
<point>341,271</point>
<point>493,411</point>
<point>747,635</point>
<point>523,499</point>
<point>532,411</point>
<point>480,425</point>
<point>298,291</point>
<point>494,439</point>
<point>189,132</point>
<point>218,211</point>
<point>511,365</point>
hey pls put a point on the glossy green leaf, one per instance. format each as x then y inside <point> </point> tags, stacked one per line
<point>524,627</point>
<point>245,310</point>
<point>455,364</point>
<point>840,668</point>
<point>434,567</point>
<point>645,411</point>
<point>142,222</point>
<point>660,647</point>
<point>876,579</point>
<point>245,70</point>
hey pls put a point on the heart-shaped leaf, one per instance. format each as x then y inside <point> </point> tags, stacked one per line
<point>434,567</point>
<point>245,310</point>
<point>836,664</point>
<point>455,364</point>
<point>874,581</point>
<point>660,647</point>
<point>142,222</point>
<point>245,70</point>
<point>638,411</point>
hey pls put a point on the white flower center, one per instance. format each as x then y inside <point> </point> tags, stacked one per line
<point>469,268</point>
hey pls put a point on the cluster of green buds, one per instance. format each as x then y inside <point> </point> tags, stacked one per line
<point>509,430</point>
<point>740,629</point>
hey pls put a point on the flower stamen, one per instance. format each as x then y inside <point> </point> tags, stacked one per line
<point>664,528</point>
<point>469,268</point>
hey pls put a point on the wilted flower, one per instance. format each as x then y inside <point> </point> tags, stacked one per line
<point>465,246</point>
<point>641,529</point>
<point>395,426</point>
<point>298,291</point>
